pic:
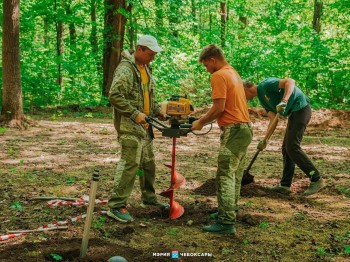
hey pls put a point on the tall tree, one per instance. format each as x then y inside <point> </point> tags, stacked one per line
<point>316,22</point>
<point>115,20</point>
<point>93,35</point>
<point>223,14</point>
<point>12,107</point>
<point>72,31</point>
<point>59,44</point>
<point>173,16</point>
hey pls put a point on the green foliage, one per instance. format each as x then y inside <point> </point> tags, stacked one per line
<point>18,206</point>
<point>99,222</point>
<point>2,130</point>
<point>173,232</point>
<point>56,257</point>
<point>277,40</point>
<point>264,224</point>
<point>70,180</point>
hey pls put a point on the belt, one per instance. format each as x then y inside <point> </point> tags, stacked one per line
<point>235,125</point>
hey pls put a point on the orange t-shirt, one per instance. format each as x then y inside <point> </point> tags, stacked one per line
<point>227,84</point>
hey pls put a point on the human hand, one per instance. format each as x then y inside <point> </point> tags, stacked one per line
<point>197,125</point>
<point>281,106</point>
<point>262,145</point>
<point>141,118</point>
<point>162,117</point>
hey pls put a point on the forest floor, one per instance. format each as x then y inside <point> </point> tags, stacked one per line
<point>57,156</point>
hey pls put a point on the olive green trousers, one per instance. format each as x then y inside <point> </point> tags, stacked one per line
<point>234,142</point>
<point>137,159</point>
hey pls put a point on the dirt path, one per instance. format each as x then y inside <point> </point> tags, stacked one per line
<point>58,158</point>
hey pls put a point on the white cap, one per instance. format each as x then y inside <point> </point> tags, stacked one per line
<point>150,42</point>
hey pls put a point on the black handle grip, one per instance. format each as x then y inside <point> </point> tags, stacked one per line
<point>186,126</point>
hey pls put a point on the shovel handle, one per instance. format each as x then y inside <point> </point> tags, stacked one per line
<point>252,161</point>
<point>271,128</point>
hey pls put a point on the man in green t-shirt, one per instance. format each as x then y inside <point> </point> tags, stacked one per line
<point>284,97</point>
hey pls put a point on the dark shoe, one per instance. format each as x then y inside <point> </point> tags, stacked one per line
<point>120,214</point>
<point>314,187</point>
<point>214,215</point>
<point>219,228</point>
<point>155,204</point>
<point>281,189</point>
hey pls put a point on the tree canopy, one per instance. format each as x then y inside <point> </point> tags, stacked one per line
<point>61,61</point>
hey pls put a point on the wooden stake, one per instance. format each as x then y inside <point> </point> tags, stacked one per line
<point>90,210</point>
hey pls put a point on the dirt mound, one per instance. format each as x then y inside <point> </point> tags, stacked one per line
<point>208,188</point>
<point>330,118</point>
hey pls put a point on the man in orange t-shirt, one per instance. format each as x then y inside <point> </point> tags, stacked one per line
<point>231,112</point>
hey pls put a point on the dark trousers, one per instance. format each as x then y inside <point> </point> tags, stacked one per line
<point>291,150</point>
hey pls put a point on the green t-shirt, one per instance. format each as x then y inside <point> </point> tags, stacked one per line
<point>270,95</point>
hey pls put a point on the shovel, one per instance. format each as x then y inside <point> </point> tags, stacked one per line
<point>248,178</point>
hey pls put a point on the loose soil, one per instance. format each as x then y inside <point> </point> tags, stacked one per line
<point>57,156</point>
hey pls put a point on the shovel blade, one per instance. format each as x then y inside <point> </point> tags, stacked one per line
<point>176,210</point>
<point>247,178</point>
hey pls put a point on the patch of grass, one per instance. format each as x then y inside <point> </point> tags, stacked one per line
<point>18,206</point>
<point>56,257</point>
<point>344,190</point>
<point>100,222</point>
<point>329,140</point>
<point>2,130</point>
<point>264,224</point>
<point>12,151</point>
<point>173,232</point>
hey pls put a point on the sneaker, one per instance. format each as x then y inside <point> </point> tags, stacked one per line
<point>219,228</point>
<point>120,214</point>
<point>314,187</point>
<point>155,204</point>
<point>281,189</point>
<point>214,215</point>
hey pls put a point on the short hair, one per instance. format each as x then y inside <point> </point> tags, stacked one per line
<point>211,51</point>
<point>248,83</point>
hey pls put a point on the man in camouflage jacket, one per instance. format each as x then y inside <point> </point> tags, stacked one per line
<point>132,97</point>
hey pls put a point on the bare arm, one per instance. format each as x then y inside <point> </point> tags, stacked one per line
<point>215,111</point>
<point>288,85</point>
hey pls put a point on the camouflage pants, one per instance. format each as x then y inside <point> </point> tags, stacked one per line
<point>234,141</point>
<point>137,159</point>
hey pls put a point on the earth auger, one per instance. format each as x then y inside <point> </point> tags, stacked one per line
<point>177,108</point>
<point>177,180</point>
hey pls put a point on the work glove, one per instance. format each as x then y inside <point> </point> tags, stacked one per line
<point>262,145</point>
<point>281,107</point>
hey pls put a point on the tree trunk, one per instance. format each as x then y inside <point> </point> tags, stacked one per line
<point>159,13</point>
<point>132,34</point>
<point>223,8</point>
<point>194,17</point>
<point>93,36</point>
<point>316,23</point>
<point>59,47</point>
<point>12,107</point>
<point>72,31</point>
<point>244,20</point>
<point>174,7</point>
<point>114,39</point>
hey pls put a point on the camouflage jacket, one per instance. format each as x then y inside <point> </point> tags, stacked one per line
<point>126,96</point>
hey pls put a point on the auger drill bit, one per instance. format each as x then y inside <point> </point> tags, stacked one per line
<point>176,210</point>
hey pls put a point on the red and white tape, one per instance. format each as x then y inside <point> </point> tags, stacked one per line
<point>10,236</point>
<point>84,200</point>
<point>49,226</point>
